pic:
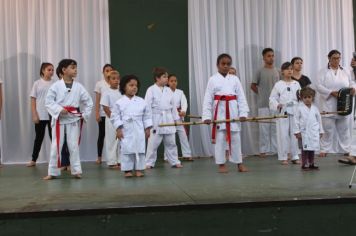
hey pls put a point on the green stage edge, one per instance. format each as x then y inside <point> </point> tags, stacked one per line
<point>332,219</point>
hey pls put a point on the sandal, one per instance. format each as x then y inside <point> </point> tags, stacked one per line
<point>347,161</point>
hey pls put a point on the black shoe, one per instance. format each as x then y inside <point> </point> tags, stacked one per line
<point>304,168</point>
<point>313,167</point>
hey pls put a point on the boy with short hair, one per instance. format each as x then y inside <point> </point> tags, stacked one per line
<point>159,98</point>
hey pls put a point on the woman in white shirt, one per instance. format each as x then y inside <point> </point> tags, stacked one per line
<point>330,80</point>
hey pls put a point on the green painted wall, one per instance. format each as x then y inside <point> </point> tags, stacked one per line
<point>149,33</point>
<point>354,9</point>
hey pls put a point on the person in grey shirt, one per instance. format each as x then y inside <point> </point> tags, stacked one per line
<point>262,85</point>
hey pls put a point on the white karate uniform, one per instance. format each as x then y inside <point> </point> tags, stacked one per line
<point>307,121</point>
<point>133,116</point>
<point>181,104</point>
<point>229,85</point>
<point>285,93</point>
<point>58,96</point>
<point>163,110</point>
<point>112,145</point>
<point>337,136</point>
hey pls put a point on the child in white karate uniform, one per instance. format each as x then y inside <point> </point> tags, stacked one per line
<point>233,71</point>
<point>108,100</point>
<point>181,104</point>
<point>62,102</point>
<point>283,99</point>
<point>160,100</point>
<point>225,99</point>
<point>308,128</point>
<point>132,120</point>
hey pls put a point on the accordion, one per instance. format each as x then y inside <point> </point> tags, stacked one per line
<point>344,101</point>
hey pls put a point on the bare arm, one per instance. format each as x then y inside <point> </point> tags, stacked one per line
<point>35,117</point>
<point>97,107</point>
<point>254,88</point>
<point>107,111</point>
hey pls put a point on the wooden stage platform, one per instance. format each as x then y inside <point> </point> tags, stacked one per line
<point>24,195</point>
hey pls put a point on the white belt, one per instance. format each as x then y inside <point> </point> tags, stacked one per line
<point>160,111</point>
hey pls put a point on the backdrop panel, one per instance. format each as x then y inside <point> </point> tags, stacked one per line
<point>242,28</point>
<point>36,31</point>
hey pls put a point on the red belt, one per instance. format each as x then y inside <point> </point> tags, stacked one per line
<point>225,98</point>
<point>74,111</point>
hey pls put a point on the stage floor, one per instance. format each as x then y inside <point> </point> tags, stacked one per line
<point>23,191</point>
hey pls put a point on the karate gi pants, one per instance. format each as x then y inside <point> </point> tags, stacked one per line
<point>184,143</point>
<point>336,131</point>
<point>131,162</point>
<point>286,141</point>
<point>170,147</point>
<point>73,131</point>
<point>221,144</point>
<point>112,145</point>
